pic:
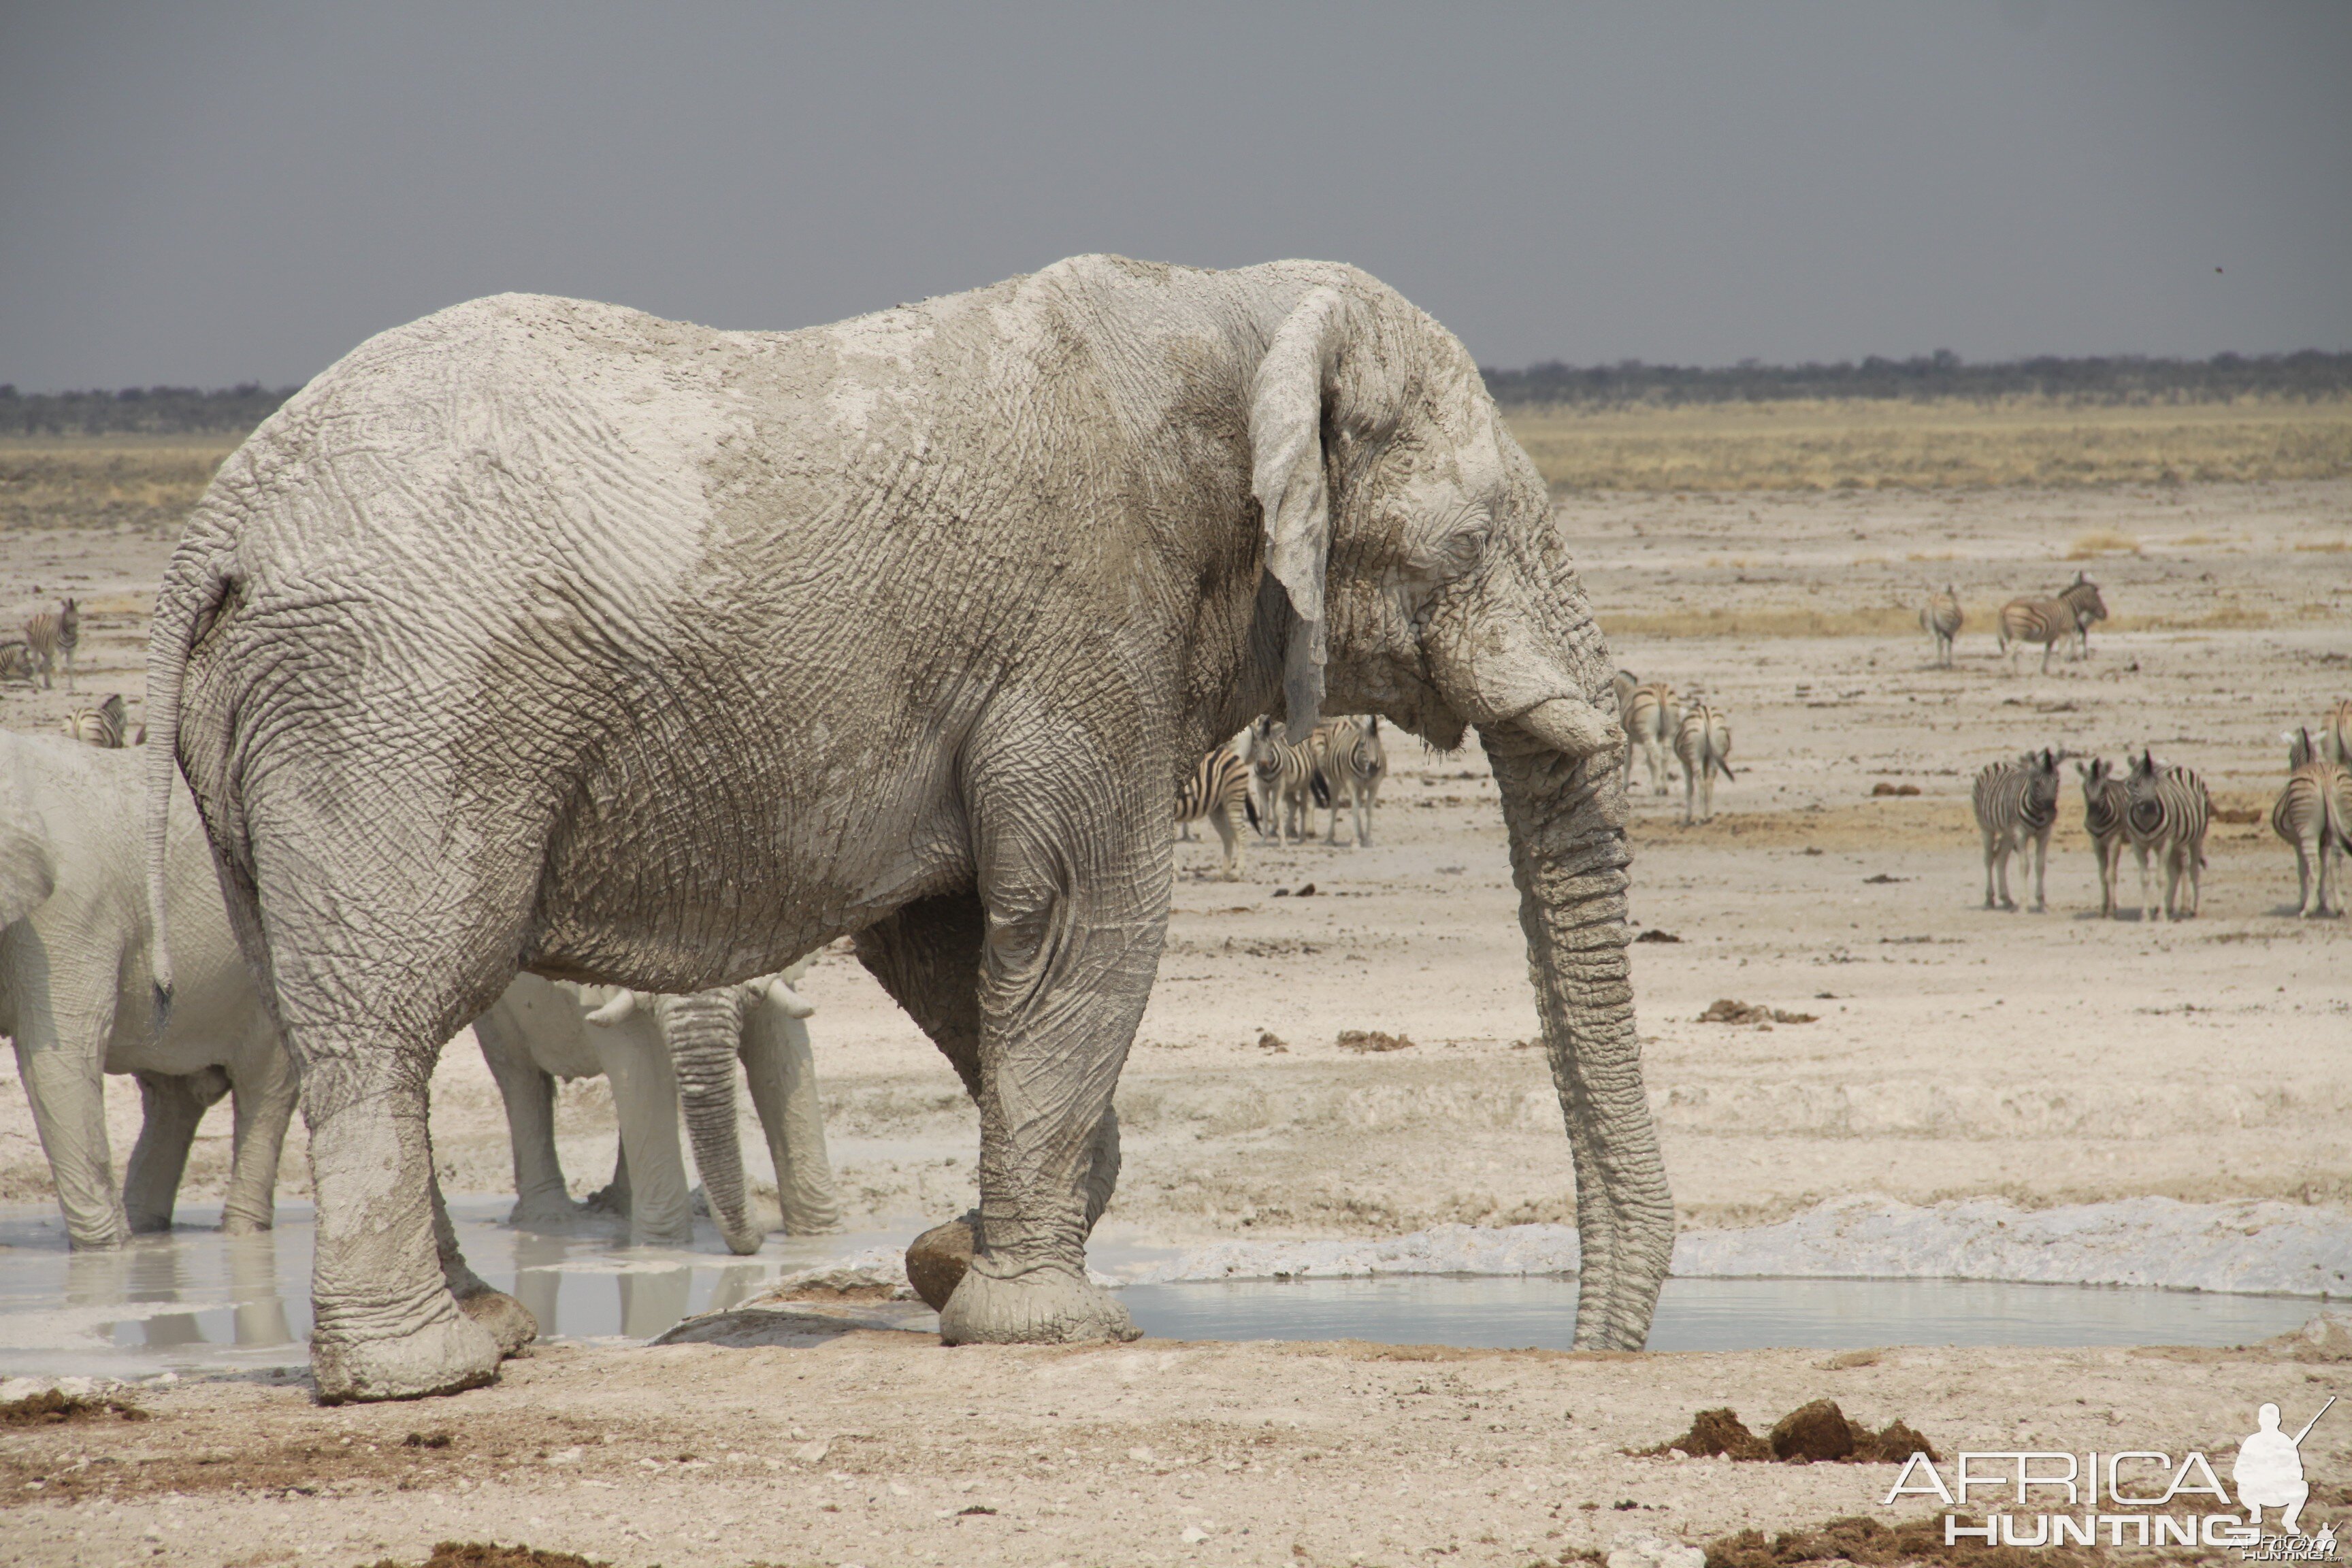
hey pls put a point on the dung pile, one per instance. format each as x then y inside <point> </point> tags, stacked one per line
<point>1819,1433</point>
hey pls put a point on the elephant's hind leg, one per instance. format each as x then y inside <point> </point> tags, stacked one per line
<point>170,1105</point>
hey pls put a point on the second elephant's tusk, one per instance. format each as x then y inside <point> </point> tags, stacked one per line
<point>622,1004</point>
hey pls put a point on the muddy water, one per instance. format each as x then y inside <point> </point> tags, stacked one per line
<point>197,1298</point>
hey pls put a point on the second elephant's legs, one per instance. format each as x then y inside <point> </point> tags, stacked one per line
<point>170,1105</point>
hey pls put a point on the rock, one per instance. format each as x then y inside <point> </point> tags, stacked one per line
<point>936,1260</point>
<point>1641,1549</point>
<point>1818,1432</point>
<point>2327,1337</point>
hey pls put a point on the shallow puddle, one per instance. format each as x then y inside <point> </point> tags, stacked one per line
<point>197,1298</point>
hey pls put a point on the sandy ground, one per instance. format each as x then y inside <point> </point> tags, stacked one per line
<point>2046,1057</point>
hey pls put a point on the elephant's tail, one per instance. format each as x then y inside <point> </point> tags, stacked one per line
<point>193,587</point>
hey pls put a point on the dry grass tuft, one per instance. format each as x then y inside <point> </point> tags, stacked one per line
<point>1868,445</point>
<point>2102,541</point>
<point>1883,621</point>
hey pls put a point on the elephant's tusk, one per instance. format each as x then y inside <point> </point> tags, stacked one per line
<point>793,1004</point>
<point>623,1003</point>
<point>1575,729</point>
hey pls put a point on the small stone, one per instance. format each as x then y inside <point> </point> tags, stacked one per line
<point>1193,1535</point>
<point>811,1453</point>
<point>937,1260</point>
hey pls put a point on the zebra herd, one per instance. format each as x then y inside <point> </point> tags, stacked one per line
<point>1698,736</point>
<point>2163,812</point>
<point>2065,616</point>
<point>2156,809</point>
<point>1278,785</point>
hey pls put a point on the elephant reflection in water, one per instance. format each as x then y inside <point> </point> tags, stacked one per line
<point>253,1288</point>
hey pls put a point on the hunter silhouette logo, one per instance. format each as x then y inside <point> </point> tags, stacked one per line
<point>2135,1497</point>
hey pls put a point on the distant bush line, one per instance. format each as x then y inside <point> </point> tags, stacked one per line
<point>140,411</point>
<point>2123,379</point>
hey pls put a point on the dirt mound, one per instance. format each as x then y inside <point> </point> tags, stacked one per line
<point>489,1554</point>
<point>1818,1433</point>
<point>1726,1011</point>
<point>1367,1040</point>
<point>50,1408</point>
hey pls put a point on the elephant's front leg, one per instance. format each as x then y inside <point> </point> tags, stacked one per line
<point>1076,903</point>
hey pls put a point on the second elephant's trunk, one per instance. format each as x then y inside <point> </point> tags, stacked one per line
<point>704,1031</point>
<point>1568,856</point>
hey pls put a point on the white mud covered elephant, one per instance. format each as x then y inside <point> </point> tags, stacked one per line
<point>904,629</point>
<point>659,1053</point>
<point>75,995</point>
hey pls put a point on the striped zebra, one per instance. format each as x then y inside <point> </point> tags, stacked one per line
<point>101,726</point>
<point>1653,719</point>
<point>2170,809</point>
<point>1621,686</point>
<point>2050,621</point>
<point>2336,731</point>
<point>1286,782</point>
<point>1352,760</point>
<point>2105,801</point>
<point>1218,783</point>
<point>2313,813</point>
<point>1703,741</point>
<point>51,633</point>
<point>17,665</point>
<point>1941,618</point>
<point>2017,806</point>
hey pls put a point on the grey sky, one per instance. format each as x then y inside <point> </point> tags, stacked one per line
<point>210,193</point>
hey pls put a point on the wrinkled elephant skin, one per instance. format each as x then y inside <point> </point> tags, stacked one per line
<point>903,628</point>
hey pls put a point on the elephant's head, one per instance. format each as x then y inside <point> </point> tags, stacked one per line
<point>1427,581</point>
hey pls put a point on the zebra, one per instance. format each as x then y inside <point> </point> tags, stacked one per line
<point>1703,740</point>
<point>1287,781</point>
<point>2311,814</point>
<point>51,633</point>
<point>1653,719</point>
<point>1352,760</point>
<point>1621,686</point>
<point>2170,809</point>
<point>2050,621</point>
<point>1941,618</point>
<point>17,665</point>
<point>2105,800</point>
<point>1218,783</point>
<point>2017,806</point>
<point>101,726</point>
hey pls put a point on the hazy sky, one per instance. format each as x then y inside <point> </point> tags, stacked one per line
<point>214,193</point>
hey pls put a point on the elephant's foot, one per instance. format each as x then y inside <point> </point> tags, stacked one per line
<point>445,1356</point>
<point>1036,1304</point>
<point>248,1221</point>
<point>937,1260</point>
<point>150,1223</point>
<point>507,1321</point>
<point>561,1217</point>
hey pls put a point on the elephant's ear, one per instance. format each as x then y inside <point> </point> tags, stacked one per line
<point>1285,427</point>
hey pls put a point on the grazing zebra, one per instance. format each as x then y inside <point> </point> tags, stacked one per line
<point>2311,814</point>
<point>1286,782</point>
<point>1703,740</point>
<point>2017,806</point>
<point>1216,784</point>
<point>101,726</point>
<point>1653,719</point>
<point>1941,618</point>
<point>18,663</point>
<point>1352,760</point>
<point>2050,621</point>
<point>51,633</point>
<point>2105,801</point>
<point>2169,811</point>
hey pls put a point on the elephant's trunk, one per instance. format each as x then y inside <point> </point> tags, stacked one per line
<point>704,1031</point>
<point>1566,817</point>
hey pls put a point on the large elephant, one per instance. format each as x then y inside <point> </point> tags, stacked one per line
<point>543,635</point>
<point>659,1053</point>
<point>74,995</point>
